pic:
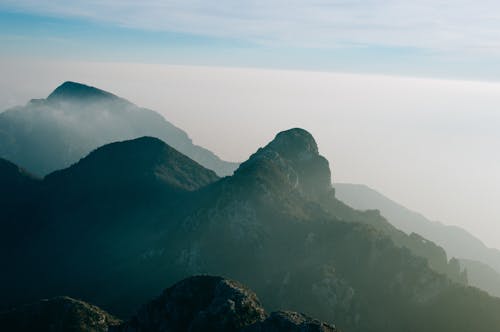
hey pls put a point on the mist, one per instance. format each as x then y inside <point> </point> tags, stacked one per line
<point>429,144</point>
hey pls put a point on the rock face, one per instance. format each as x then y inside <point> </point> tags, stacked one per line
<point>293,161</point>
<point>59,314</point>
<point>291,322</point>
<point>207,303</point>
<point>201,303</point>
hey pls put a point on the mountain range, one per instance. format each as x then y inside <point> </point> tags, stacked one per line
<point>482,263</point>
<point>199,303</point>
<point>49,134</point>
<point>131,216</point>
<point>114,236</point>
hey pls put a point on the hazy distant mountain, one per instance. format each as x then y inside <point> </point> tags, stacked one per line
<point>115,237</point>
<point>483,276</point>
<point>53,133</point>
<point>456,241</point>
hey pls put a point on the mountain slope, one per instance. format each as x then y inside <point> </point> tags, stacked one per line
<point>482,276</point>
<point>49,134</point>
<point>275,225</point>
<point>59,314</point>
<point>130,163</point>
<point>456,241</point>
<point>108,206</point>
<point>19,192</point>
<point>200,303</point>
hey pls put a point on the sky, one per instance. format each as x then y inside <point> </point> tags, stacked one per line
<point>401,96</point>
<point>432,38</point>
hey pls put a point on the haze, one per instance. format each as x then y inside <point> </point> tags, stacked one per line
<point>429,144</point>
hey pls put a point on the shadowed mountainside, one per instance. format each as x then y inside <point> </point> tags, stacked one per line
<point>276,225</point>
<point>200,303</point>
<point>58,314</point>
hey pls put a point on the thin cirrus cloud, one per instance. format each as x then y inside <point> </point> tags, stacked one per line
<point>439,26</point>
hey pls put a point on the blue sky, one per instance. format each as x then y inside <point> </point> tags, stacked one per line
<point>446,39</point>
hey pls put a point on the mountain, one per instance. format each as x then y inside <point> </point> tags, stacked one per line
<point>138,162</point>
<point>276,225</point>
<point>482,276</point>
<point>59,314</point>
<point>200,303</point>
<point>456,241</point>
<point>50,134</point>
<point>107,206</point>
<point>18,195</point>
<point>208,303</point>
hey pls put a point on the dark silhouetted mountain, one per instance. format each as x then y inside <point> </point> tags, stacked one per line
<point>53,133</point>
<point>206,303</point>
<point>59,314</point>
<point>291,322</point>
<point>276,225</point>
<point>456,241</point>
<point>19,192</point>
<point>69,91</point>
<point>145,161</point>
<point>201,303</point>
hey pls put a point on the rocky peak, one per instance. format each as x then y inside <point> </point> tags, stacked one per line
<point>200,303</point>
<point>291,322</point>
<point>294,144</point>
<point>291,160</point>
<point>73,91</point>
<point>208,303</point>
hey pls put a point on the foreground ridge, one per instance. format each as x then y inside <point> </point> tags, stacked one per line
<point>199,303</point>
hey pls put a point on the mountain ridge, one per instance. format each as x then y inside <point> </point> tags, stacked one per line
<point>456,241</point>
<point>50,134</point>
<point>74,90</point>
<point>301,250</point>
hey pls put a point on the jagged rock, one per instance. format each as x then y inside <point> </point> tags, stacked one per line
<point>59,314</point>
<point>289,321</point>
<point>292,161</point>
<point>200,303</point>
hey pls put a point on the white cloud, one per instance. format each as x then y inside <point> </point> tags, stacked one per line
<point>435,25</point>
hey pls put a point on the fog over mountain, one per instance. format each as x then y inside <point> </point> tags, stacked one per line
<point>442,163</point>
<point>249,166</point>
<point>49,134</point>
<point>482,263</point>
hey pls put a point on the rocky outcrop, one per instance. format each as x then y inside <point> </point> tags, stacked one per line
<point>59,314</point>
<point>290,162</point>
<point>207,303</point>
<point>291,322</point>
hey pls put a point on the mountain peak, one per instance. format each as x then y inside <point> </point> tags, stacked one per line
<point>137,162</point>
<point>295,143</point>
<point>292,159</point>
<point>78,91</point>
